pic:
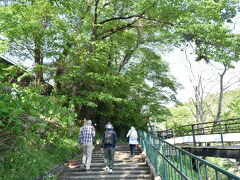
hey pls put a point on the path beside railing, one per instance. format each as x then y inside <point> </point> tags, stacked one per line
<point>125,167</point>
<point>172,162</point>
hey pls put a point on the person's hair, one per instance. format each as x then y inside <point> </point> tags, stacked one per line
<point>89,122</point>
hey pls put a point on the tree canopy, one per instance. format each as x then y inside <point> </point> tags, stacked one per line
<point>106,56</point>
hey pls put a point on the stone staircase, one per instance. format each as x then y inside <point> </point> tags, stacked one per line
<point>125,166</point>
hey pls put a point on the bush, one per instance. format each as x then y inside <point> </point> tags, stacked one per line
<point>36,133</point>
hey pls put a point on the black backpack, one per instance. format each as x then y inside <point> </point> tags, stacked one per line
<point>108,138</point>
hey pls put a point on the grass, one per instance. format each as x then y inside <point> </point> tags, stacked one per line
<point>32,162</point>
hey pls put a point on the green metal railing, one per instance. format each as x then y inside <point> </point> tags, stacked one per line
<point>173,163</point>
<point>221,127</point>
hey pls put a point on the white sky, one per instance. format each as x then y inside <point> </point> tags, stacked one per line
<point>180,69</point>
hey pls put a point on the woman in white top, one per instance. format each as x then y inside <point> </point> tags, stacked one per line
<point>133,136</point>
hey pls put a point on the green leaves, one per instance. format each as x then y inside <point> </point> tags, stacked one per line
<point>105,58</point>
<point>104,55</point>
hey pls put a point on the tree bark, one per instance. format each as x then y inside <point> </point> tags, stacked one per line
<point>38,60</point>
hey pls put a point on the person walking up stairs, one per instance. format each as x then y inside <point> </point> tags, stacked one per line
<point>109,142</point>
<point>125,167</point>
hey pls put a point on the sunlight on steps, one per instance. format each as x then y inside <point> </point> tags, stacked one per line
<point>125,166</point>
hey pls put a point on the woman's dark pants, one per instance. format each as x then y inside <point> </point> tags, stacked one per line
<point>132,148</point>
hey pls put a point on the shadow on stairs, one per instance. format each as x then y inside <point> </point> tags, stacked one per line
<point>125,166</point>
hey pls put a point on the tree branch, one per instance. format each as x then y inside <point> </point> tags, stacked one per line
<point>121,18</point>
<point>106,4</point>
<point>94,32</point>
<point>140,16</point>
<point>130,53</point>
<point>115,30</point>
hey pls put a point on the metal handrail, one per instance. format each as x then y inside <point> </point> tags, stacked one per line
<point>172,162</point>
<point>225,120</point>
<point>224,126</point>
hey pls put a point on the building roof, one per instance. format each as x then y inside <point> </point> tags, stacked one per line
<point>11,62</point>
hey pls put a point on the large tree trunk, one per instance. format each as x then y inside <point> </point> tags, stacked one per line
<point>220,98</point>
<point>60,66</point>
<point>38,60</point>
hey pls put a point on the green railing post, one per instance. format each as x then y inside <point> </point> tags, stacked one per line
<point>181,163</point>
<point>171,162</point>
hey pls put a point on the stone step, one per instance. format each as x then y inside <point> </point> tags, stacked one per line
<point>120,150</point>
<point>129,159</point>
<point>125,166</point>
<point>108,176</point>
<point>116,160</point>
<point>123,150</point>
<point>127,150</point>
<point>117,157</point>
<point>127,154</point>
<point>116,153</point>
<point>118,146</point>
<point>115,171</point>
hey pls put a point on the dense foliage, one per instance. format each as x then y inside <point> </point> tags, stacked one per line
<point>105,58</point>
<point>32,127</point>
<point>102,54</point>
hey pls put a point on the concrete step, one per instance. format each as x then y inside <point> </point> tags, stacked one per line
<point>125,166</point>
<point>101,160</point>
<point>108,176</point>
<point>117,157</point>
<point>116,161</point>
<point>102,172</point>
<point>123,150</point>
<point>115,169</point>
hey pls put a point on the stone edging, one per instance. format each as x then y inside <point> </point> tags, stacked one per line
<point>53,172</point>
<point>56,171</point>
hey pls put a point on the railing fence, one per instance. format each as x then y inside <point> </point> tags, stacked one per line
<point>173,163</point>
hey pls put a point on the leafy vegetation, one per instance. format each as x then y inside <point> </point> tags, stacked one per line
<point>35,131</point>
<point>182,114</point>
<point>105,59</point>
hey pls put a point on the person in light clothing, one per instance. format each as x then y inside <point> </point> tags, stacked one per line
<point>133,136</point>
<point>85,141</point>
